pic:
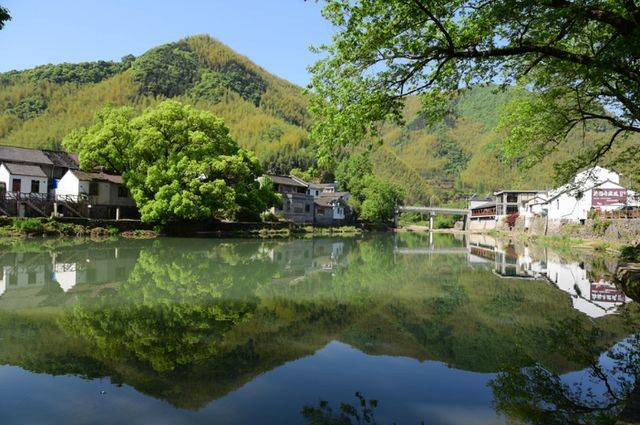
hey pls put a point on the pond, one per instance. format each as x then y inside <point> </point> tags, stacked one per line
<point>387,328</point>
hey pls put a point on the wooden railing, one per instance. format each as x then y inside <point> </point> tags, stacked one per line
<point>626,214</point>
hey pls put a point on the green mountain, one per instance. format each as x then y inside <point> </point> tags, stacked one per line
<point>439,162</point>
<point>267,114</point>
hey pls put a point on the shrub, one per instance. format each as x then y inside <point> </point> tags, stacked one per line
<point>444,222</point>
<point>600,226</point>
<point>631,253</point>
<point>30,226</point>
<point>268,216</point>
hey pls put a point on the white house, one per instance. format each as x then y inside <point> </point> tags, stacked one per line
<point>596,188</point>
<point>23,178</point>
<point>331,208</point>
<point>95,188</point>
<point>317,189</point>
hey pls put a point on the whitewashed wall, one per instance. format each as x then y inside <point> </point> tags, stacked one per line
<point>25,185</point>
<point>68,185</point>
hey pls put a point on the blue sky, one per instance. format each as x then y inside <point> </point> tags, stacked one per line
<point>275,34</point>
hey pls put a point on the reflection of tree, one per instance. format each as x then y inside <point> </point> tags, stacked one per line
<point>359,414</point>
<point>537,395</point>
<point>197,318</point>
<point>174,309</point>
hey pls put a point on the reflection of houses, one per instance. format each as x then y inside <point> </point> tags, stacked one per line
<point>503,258</point>
<point>593,297</point>
<point>22,276</point>
<point>65,269</point>
<point>300,258</point>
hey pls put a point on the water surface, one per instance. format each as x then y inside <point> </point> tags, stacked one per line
<point>439,329</point>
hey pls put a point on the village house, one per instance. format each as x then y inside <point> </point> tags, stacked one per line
<point>104,194</point>
<point>486,213</point>
<point>311,203</point>
<point>316,189</point>
<point>54,164</point>
<point>596,189</point>
<point>297,203</point>
<point>332,209</point>
<point>23,178</point>
<point>28,178</point>
<point>513,201</point>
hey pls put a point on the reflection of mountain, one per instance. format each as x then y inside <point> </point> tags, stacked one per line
<point>190,320</point>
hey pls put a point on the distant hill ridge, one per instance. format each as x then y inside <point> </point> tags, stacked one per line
<point>265,113</point>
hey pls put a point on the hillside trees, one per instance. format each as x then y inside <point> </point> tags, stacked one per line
<point>178,163</point>
<point>373,199</point>
<point>578,60</point>
<point>168,70</point>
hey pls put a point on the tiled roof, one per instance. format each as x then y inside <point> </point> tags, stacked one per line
<point>24,170</point>
<point>15,154</point>
<point>97,177</point>
<point>321,185</point>
<point>286,180</point>
<point>485,205</point>
<point>325,199</point>
<point>62,159</point>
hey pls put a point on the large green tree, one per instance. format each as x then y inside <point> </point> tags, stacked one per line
<point>178,163</point>
<point>578,62</point>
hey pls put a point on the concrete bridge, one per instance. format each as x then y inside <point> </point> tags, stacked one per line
<point>431,212</point>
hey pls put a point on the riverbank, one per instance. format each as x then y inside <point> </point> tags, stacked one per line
<point>17,228</point>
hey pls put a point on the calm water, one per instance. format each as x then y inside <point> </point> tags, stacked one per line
<point>201,331</point>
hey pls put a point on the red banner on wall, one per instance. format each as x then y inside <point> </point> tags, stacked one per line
<point>602,197</point>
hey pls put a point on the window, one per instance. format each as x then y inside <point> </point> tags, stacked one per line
<point>35,186</point>
<point>307,208</point>
<point>123,192</point>
<point>557,204</point>
<point>31,278</point>
<point>94,189</point>
<point>16,185</point>
<point>512,197</point>
<point>511,209</point>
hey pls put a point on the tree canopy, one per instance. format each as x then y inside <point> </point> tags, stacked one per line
<point>578,62</point>
<point>177,162</point>
<point>4,16</point>
<point>373,199</point>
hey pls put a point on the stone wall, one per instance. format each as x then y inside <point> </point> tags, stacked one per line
<point>481,225</point>
<point>613,230</point>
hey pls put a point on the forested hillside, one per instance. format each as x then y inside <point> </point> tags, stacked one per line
<point>443,161</point>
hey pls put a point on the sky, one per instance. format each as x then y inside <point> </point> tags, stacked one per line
<point>275,34</point>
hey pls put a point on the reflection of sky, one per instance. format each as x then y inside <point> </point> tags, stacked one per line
<point>408,391</point>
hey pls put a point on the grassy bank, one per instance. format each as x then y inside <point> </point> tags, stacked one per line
<point>15,227</point>
<point>306,231</point>
<point>562,243</point>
